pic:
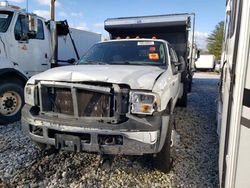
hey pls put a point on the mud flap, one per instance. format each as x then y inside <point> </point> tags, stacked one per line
<point>68,142</point>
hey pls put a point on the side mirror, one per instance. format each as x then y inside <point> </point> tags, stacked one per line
<point>21,36</point>
<point>31,35</point>
<point>181,65</point>
<point>178,67</point>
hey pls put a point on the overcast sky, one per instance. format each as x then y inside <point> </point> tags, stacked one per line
<point>90,14</point>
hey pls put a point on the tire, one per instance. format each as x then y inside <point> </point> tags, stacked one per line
<point>182,102</point>
<point>11,102</point>
<point>164,159</point>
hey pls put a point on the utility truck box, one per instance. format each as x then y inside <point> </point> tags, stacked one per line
<point>83,41</point>
<point>205,62</point>
<point>25,50</point>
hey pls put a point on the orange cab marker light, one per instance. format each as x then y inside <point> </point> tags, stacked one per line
<point>137,37</point>
<point>128,37</point>
<point>154,37</point>
<point>118,38</point>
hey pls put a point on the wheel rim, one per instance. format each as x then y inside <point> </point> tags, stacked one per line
<point>10,103</point>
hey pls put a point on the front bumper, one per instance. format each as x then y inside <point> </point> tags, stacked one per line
<point>139,135</point>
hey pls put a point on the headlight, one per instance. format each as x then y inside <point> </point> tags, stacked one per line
<point>144,103</point>
<point>30,95</point>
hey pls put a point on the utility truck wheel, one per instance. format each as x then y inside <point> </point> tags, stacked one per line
<point>182,102</point>
<point>11,102</point>
<point>164,159</point>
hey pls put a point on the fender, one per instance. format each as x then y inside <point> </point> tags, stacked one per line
<point>13,72</point>
<point>8,68</point>
<point>163,88</point>
<point>5,63</point>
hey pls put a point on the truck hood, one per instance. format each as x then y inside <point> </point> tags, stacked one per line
<point>137,77</point>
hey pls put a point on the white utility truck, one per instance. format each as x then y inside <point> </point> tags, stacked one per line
<point>234,100</point>
<point>25,50</point>
<point>205,62</point>
<point>118,99</point>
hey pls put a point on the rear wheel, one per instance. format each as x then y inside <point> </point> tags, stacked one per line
<point>164,159</point>
<point>11,102</point>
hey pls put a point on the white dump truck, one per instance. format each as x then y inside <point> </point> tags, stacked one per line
<point>118,99</point>
<point>26,49</point>
<point>234,100</point>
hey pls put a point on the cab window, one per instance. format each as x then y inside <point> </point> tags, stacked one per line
<point>139,52</point>
<point>5,19</point>
<point>21,28</point>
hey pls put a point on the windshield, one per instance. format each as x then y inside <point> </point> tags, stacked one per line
<point>5,19</point>
<point>126,52</point>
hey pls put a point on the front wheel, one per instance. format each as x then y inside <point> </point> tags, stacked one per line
<point>11,102</point>
<point>164,159</point>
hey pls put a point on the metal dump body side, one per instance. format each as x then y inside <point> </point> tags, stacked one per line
<point>172,28</point>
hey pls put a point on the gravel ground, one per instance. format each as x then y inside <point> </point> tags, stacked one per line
<point>22,165</point>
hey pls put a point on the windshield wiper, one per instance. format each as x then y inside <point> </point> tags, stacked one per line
<point>92,62</point>
<point>121,63</point>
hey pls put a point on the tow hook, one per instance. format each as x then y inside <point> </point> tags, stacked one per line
<point>106,162</point>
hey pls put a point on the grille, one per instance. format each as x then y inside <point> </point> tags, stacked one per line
<point>89,103</point>
<point>107,103</point>
<point>92,104</point>
<point>62,101</point>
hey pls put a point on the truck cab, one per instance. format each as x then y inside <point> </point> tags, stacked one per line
<point>19,49</point>
<point>26,49</point>
<point>23,53</point>
<point>118,99</point>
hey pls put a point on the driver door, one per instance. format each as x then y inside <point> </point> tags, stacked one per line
<point>29,55</point>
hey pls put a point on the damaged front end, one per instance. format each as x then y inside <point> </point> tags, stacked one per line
<point>92,117</point>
